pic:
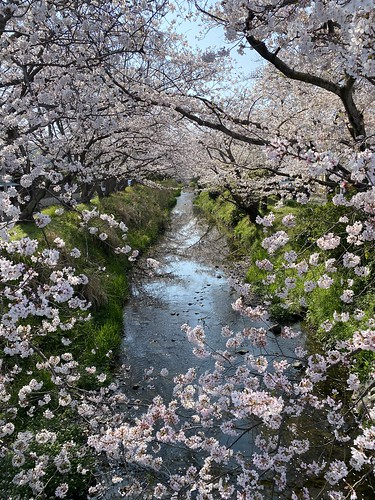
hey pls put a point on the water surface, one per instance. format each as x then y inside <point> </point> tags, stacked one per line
<point>191,286</point>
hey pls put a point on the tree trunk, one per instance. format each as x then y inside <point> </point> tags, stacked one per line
<point>109,185</point>
<point>87,192</point>
<point>27,209</point>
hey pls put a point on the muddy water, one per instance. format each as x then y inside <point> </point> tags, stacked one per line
<point>191,286</point>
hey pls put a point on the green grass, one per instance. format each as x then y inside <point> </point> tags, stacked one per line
<point>313,220</point>
<point>96,342</point>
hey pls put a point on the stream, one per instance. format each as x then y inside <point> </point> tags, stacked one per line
<point>191,285</point>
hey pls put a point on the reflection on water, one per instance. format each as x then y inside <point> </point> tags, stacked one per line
<point>190,287</point>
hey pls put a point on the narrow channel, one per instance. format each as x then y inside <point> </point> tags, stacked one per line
<point>191,286</point>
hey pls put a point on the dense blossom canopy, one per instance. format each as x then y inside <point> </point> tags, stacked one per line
<point>95,93</point>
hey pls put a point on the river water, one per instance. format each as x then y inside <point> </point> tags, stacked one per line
<point>191,286</point>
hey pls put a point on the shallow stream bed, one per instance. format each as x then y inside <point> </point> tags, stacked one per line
<point>191,286</point>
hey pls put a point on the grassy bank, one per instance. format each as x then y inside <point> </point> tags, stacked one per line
<point>312,221</point>
<point>145,212</point>
<point>93,343</point>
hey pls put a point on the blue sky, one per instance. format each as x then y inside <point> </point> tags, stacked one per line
<point>200,37</point>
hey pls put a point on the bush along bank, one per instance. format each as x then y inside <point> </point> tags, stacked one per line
<point>293,288</point>
<point>74,352</point>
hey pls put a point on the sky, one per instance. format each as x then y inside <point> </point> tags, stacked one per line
<point>200,37</point>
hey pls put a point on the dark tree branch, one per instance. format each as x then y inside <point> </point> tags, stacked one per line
<point>345,92</point>
<point>195,118</point>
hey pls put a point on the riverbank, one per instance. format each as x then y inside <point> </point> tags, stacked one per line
<point>312,221</point>
<point>329,321</point>
<point>93,345</point>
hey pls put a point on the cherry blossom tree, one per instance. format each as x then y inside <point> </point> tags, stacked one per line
<point>63,129</point>
<point>312,123</point>
<point>62,121</point>
<point>96,91</point>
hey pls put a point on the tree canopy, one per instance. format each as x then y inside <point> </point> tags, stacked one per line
<point>94,93</point>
